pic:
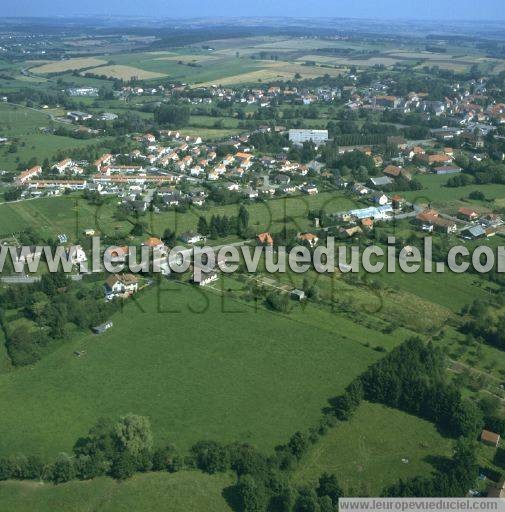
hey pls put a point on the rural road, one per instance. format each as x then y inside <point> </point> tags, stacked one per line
<point>25,279</point>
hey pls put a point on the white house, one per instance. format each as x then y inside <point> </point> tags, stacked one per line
<point>63,166</point>
<point>76,254</point>
<point>121,285</point>
<point>206,278</point>
<point>191,238</point>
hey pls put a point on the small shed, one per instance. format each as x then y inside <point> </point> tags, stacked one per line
<point>99,329</point>
<point>298,295</point>
<point>490,438</point>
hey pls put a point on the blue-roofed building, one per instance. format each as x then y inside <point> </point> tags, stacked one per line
<point>373,212</point>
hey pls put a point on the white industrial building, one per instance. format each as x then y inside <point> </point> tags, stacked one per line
<point>316,136</point>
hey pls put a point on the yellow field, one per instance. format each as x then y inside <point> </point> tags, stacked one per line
<point>125,72</point>
<point>274,71</point>
<point>68,65</point>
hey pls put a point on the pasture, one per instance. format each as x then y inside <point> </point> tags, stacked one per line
<point>72,214</point>
<point>198,366</point>
<point>450,199</point>
<point>447,289</point>
<point>178,492</point>
<point>23,125</point>
<point>374,449</point>
<point>271,215</point>
<point>65,214</point>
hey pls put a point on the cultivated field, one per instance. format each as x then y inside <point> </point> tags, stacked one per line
<point>68,65</point>
<point>274,71</point>
<point>125,72</point>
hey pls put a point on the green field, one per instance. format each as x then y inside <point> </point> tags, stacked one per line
<point>72,214</point>
<point>54,215</point>
<point>200,369</point>
<point>366,452</point>
<point>451,198</point>
<point>263,216</point>
<point>179,492</point>
<point>24,124</point>
<point>447,289</point>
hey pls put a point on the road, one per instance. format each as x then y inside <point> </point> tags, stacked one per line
<point>26,279</point>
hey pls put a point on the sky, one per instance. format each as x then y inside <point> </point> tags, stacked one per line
<point>384,9</point>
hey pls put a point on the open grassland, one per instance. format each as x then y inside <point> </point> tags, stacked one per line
<point>18,120</point>
<point>23,126</point>
<point>397,306</point>
<point>271,215</point>
<point>367,453</point>
<point>72,215</point>
<point>68,65</point>
<point>447,289</point>
<point>199,367</point>
<point>179,492</point>
<point>67,214</point>
<point>450,199</point>
<point>125,72</point>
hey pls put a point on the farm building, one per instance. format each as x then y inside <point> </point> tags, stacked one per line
<point>490,438</point>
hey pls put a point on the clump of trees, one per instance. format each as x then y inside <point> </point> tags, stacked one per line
<point>54,305</point>
<point>220,226</point>
<point>484,323</point>
<point>118,449</point>
<point>412,378</point>
<point>173,116</point>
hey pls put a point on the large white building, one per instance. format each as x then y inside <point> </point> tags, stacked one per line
<point>316,136</point>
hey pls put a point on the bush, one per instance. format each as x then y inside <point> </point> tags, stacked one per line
<point>63,470</point>
<point>211,457</point>
<point>124,466</point>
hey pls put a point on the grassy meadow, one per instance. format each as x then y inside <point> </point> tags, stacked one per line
<point>24,125</point>
<point>450,199</point>
<point>374,449</point>
<point>179,492</point>
<point>189,361</point>
<point>54,215</point>
<point>71,215</point>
